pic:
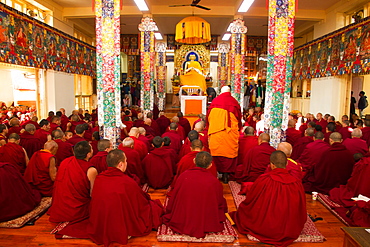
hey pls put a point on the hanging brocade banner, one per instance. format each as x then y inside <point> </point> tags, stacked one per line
<point>108,68</point>
<point>279,67</point>
<point>223,61</point>
<point>161,70</point>
<point>236,58</point>
<point>147,56</point>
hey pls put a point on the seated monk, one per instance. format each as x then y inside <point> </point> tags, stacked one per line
<point>139,122</point>
<point>68,134</point>
<point>14,154</point>
<point>29,141</point>
<point>133,159</point>
<point>345,130</point>
<point>356,144</point>
<point>333,169</point>
<point>55,123</point>
<point>247,141</point>
<point>267,212</point>
<point>75,120</point>
<point>357,184</point>
<point>73,185</point>
<point>294,168</point>
<point>292,134</point>
<point>99,161</point>
<point>154,125</point>
<point>180,129</point>
<point>302,142</point>
<point>41,170</point>
<point>360,216</point>
<point>176,140</point>
<point>139,146</point>
<point>256,160</point>
<point>142,137</point>
<point>158,165</point>
<point>186,147</point>
<point>184,122</point>
<point>202,194</point>
<point>79,136</point>
<point>16,196</point>
<point>150,133</point>
<point>44,132</point>
<point>65,149</point>
<point>174,156</point>
<point>330,128</point>
<point>313,152</point>
<point>117,202</point>
<point>203,134</point>
<point>94,142</point>
<point>14,126</point>
<point>163,122</point>
<point>3,134</point>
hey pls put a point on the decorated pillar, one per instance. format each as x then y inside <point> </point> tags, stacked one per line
<point>223,61</point>
<point>279,68</point>
<point>237,52</point>
<point>147,56</point>
<point>108,68</point>
<point>161,70</point>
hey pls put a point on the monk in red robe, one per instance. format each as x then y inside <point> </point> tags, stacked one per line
<point>133,159</point>
<point>73,185</point>
<point>142,137</point>
<point>334,168</point>
<point>154,125</point>
<point>29,141</point>
<point>292,135</point>
<point>256,160</point>
<point>94,142</point>
<point>139,122</point>
<point>202,194</point>
<point>366,131</point>
<point>14,154</point>
<point>180,130</point>
<point>117,203</point>
<point>41,170</point>
<point>15,127</point>
<point>139,146</point>
<point>55,124</point>
<point>313,152</point>
<point>173,154</point>
<point>330,128</point>
<point>346,130</point>
<point>150,133</point>
<point>361,214</point>
<point>247,141</point>
<point>63,118</point>
<point>224,118</point>
<point>99,161</point>
<point>16,196</point>
<point>65,149</point>
<point>186,147</point>
<point>266,213</point>
<point>176,140</point>
<point>3,134</point>
<point>321,121</point>
<point>203,134</point>
<point>358,183</point>
<point>356,144</point>
<point>33,121</point>
<point>163,122</point>
<point>158,165</point>
<point>44,132</point>
<point>301,143</point>
<point>75,120</point>
<point>79,136</point>
<point>184,122</point>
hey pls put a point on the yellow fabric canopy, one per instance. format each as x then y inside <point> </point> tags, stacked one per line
<point>193,30</point>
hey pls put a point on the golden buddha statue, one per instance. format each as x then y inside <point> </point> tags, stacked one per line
<point>193,74</point>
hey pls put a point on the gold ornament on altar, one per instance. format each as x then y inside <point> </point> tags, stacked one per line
<point>193,30</point>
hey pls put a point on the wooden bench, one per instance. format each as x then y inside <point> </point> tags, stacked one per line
<point>356,236</point>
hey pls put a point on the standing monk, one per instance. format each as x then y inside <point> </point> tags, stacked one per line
<point>73,185</point>
<point>224,119</point>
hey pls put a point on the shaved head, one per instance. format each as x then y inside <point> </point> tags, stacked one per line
<point>142,131</point>
<point>196,145</point>
<point>199,126</point>
<point>57,134</point>
<point>30,128</point>
<point>264,138</point>
<point>14,136</point>
<point>173,126</point>
<point>285,147</point>
<point>249,131</point>
<point>291,123</point>
<point>134,132</point>
<point>128,142</point>
<point>357,133</point>
<point>278,159</point>
<point>175,119</point>
<point>51,146</point>
<point>148,121</point>
<point>336,137</point>
<point>310,132</point>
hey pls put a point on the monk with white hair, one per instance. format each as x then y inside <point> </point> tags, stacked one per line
<point>224,119</point>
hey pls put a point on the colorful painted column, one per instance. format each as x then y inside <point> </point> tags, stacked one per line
<point>279,68</point>
<point>236,56</point>
<point>161,74</point>
<point>223,61</point>
<point>108,68</point>
<point>147,56</point>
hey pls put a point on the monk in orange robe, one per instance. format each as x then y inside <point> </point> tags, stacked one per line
<point>14,154</point>
<point>224,119</point>
<point>99,161</point>
<point>247,141</point>
<point>29,141</point>
<point>73,185</point>
<point>266,213</point>
<point>197,196</point>
<point>41,170</point>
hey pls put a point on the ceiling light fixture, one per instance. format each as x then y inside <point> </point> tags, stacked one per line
<point>226,36</point>
<point>141,5</point>
<point>245,5</point>
<point>158,36</point>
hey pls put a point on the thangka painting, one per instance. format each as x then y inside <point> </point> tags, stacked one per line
<point>28,42</point>
<point>344,51</point>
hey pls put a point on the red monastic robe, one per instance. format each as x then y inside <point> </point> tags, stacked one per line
<point>30,122</point>
<point>185,124</point>
<point>140,147</point>
<point>312,154</point>
<point>246,143</point>
<point>323,123</point>
<point>99,161</point>
<point>163,123</point>
<point>30,143</point>
<point>64,121</point>
<point>292,135</point>
<point>155,127</point>
<point>344,131</point>
<point>71,195</point>
<point>203,136</point>
<point>14,129</point>
<point>366,135</point>
<point>65,150</point>
<point>158,168</point>
<point>255,163</point>
<point>185,149</point>
<point>16,196</point>
<point>356,145</point>
<point>94,145</point>
<point>42,135</point>
<point>359,183</point>
<point>37,172</point>
<point>334,169</point>
<point>197,205</point>
<point>54,126</point>
<point>74,124</point>
<point>14,154</point>
<point>133,162</point>
<point>176,141</point>
<point>75,139</point>
<point>293,167</point>
<point>274,210</point>
<point>187,162</point>
<point>180,131</point>
<point>300,145</point>
<point>361,215</point>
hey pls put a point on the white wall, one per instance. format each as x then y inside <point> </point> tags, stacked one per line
<point>6,92</point>
<point>328,95</point>
<point>170,71</point>
<point>213,70</point>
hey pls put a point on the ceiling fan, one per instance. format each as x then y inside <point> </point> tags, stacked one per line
<point>193,4</point>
